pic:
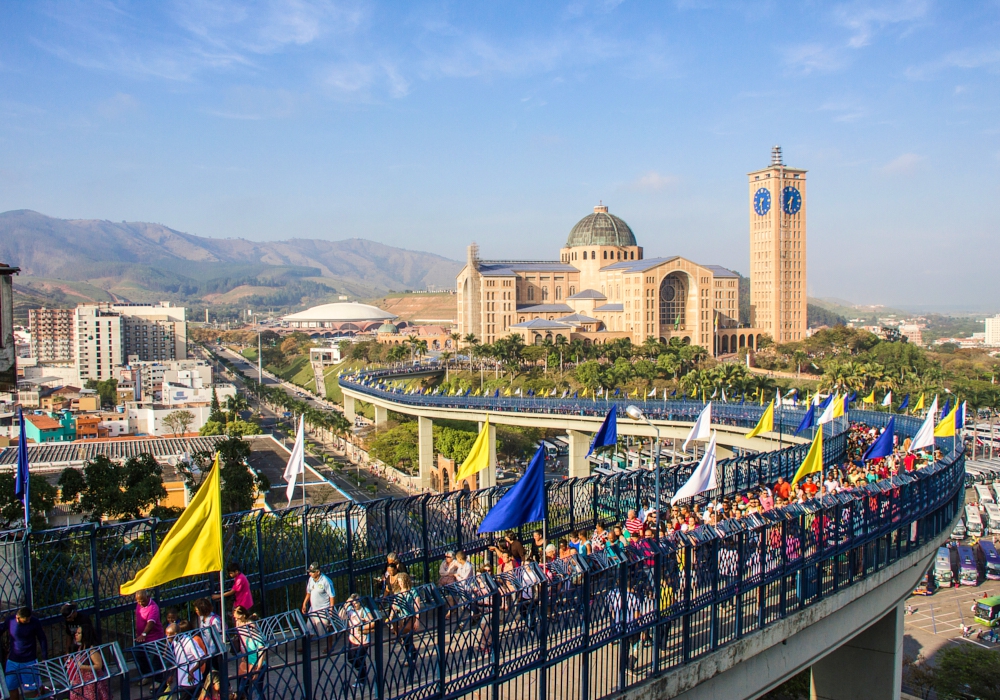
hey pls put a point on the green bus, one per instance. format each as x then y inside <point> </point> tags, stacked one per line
<point>988,611</point>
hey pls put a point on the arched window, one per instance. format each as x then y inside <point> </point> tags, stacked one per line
<point>725,345</point>
<point>605,255</point>
<point>632,255</point>
<point>673,300</point>
<point>531,293</point>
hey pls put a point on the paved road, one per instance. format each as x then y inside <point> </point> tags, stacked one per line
<point>282,429</point>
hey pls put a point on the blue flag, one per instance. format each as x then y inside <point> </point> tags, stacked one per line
<point>673,393</point>
<point>496,394</point>
<point>883,446</point>
<point>947,407</point>
<point>524,503</point>
<point>22,485</point>
<point>807,420</point>
<point>850,400</point>
<point>906,403</point>
<point>960,416</point>
<point>608,433</point>
<point>576,394</point>
<point>824,403</point>
<point>616,392</point>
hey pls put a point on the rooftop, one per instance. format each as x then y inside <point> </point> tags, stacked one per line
<point>587,294</point>
<point>600,229</point>
<point>545,309</point>
<point>341,311</point>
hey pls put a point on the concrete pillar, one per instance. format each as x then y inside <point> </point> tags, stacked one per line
<point>579,443</point>
<point>381,415</point>
<point>425,448</point>
<point>868,667</point>
<point>349,411</point>
<point>488,476</point>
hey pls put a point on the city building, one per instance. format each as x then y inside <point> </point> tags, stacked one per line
<point>992,336</point>
<point>52,335</point>
<point>913,332</point>
<point>98,342</point>
<point>152,376</point>
<point>778,250</point>
<point>153,332</point>
<point>339,319</point>
<point>8,347</point>
<point>147,419</point>
<point>50,427</point>
<point>601,288</point>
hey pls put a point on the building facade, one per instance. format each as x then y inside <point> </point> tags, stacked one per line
<point>778,250</point>
<point>153,332</point>
<point>98,342</point>
<point>992,335</point>
<point>601,288</point>
<point>52,335</point>
<point>8,348</point>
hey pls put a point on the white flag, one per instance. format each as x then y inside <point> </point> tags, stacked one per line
<point>827,414</point>
<point>296,462</point>
<point>723,396</point>
<point>925,436</point>
<point>887,401</point>
<point>932,411</point>
<point>702,427</point>
<point>652,393</point>
<point>702,479</point>
<point>553,392</point>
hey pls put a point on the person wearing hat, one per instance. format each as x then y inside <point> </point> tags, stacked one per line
<point>319,601</point>
<point>360,625</point>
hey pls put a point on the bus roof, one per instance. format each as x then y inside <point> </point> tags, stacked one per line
<point>989,602</point>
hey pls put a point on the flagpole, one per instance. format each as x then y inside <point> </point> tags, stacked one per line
<point>222,556</point>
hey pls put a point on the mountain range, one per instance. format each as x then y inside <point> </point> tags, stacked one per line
<point>70,260</point>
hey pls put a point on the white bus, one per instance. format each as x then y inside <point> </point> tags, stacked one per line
<point>996,490</point>
<point>993,518</point>
<point>973,523</point>
<point>983,494</point>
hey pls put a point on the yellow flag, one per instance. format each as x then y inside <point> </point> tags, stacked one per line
<point>584,392</point>
<point>694,393</point>
<point>194,544</point>
<point>870,398</point>
<point>766,423</point>
<point>838,405</point>
<point>506,391</point>
<point>635,393</point>
<point>479,455</point>
<point>946,428</point>
<point>813,463</point>
<point>920,404</point>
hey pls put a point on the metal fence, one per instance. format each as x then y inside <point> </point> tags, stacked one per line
<point>86,564</point>
<point>583,627</point>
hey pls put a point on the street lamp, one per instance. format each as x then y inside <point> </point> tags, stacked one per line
<point>636,414</point>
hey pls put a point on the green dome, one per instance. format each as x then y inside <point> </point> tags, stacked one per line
<point>600,228</point>
<point>388,328</point>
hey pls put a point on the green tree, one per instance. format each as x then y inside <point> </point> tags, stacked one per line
<point>239,428</point>
<point>396,446</point>
<point>213,428</point>
<point>41,501</point>
<point>967,671</point>
<point>109,489</point>
<point>107,389</point>
<point>589,374</point>
<point>178,421</point>
<point>215,410</point>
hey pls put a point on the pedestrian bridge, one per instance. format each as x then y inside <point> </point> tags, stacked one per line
<point>723,612</point>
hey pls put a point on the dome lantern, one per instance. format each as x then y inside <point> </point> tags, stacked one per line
<point>601,229</point>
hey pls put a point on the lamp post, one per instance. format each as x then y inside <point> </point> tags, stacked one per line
<point>635,413</point>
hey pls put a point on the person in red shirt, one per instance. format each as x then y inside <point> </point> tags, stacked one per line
<point>782,488</point>
<point>633,525</point>
<point>809,488</point>
<point>240,592</point>
<point>909,460</point>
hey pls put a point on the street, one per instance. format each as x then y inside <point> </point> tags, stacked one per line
<point>283,430</point>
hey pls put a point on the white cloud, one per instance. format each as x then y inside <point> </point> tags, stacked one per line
<point>967,59</point>
<point>653,181</point>
<point>809,58</point>
<point>906,164</point>
<point>865,19</point>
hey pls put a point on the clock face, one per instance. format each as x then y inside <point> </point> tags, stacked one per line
<point>762,201</point>
<point>791,200</point>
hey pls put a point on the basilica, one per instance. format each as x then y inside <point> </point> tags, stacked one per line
<point>603,287</point>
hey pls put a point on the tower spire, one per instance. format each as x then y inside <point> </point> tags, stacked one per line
<point>776,155</point>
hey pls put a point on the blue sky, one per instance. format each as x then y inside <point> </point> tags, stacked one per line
<point>429,125</point>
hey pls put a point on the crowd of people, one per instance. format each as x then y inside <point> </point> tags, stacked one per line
<point>195,673</point>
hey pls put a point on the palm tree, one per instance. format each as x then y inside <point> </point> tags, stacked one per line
<point>411,340</point>
<point>446,356</point>
<point>235,404</point>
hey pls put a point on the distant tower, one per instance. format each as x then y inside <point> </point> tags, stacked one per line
<point>778,250</point>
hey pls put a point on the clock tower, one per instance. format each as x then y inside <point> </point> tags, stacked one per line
<point>777,203</point>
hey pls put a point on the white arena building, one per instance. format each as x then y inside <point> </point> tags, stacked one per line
<point>339,319</point>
